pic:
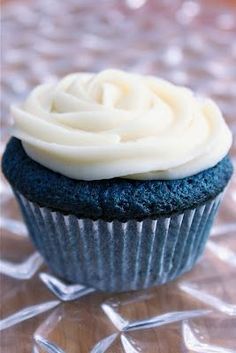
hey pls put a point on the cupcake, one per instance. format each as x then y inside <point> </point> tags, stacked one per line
<point>118,176</point>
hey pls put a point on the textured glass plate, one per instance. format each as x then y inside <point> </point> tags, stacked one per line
<point>189,42</point>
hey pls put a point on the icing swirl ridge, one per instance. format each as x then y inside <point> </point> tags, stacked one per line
<point>118,124</point>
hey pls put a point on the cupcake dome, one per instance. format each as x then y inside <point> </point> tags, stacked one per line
<point>113,199</point>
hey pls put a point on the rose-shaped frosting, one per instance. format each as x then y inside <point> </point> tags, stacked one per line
<point>118,124</point>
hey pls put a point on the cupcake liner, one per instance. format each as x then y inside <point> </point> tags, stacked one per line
<point>119,256</point>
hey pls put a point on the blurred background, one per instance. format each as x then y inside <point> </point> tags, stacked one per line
<point>189,42</point>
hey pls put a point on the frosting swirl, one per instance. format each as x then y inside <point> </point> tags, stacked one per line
<point>118,124</point>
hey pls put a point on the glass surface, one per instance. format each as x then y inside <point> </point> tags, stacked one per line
<point>188,42</point>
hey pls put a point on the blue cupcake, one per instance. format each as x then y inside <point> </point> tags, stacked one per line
<point>118,177</point>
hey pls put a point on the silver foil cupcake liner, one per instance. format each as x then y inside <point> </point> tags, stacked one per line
<point>119,256</point>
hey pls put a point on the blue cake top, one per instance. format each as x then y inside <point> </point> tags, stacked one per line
<point>110,199</point>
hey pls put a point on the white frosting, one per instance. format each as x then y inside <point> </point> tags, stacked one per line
<point>118,124</point>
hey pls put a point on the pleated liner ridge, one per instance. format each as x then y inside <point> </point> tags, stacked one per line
<point>116,256</point>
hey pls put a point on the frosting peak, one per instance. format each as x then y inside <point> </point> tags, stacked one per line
<point>118,124</point>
